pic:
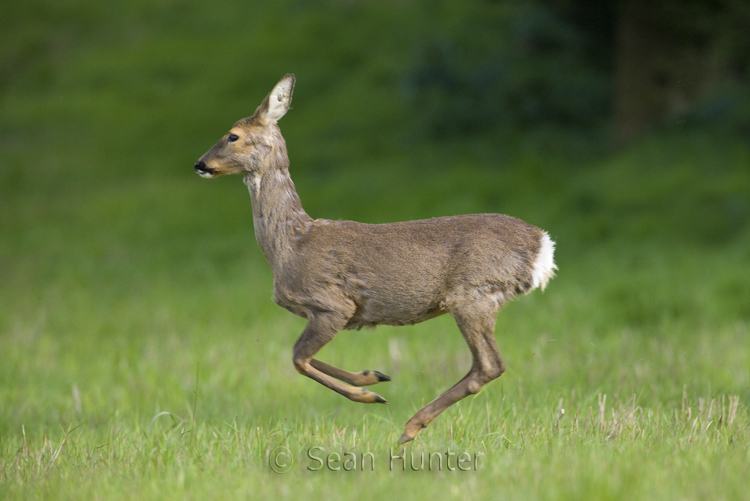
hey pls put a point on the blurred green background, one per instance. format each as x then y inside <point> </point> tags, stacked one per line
<point>403,110</point>
<point>621,128</point>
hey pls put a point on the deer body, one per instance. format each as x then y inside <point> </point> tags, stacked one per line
<point>347,275</point>
<point>402,273</point>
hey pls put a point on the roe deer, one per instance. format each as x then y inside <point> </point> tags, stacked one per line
<point>347,275</point>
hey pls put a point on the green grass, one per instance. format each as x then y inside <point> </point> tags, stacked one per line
<point>122,302</point>
<point>141,355</point>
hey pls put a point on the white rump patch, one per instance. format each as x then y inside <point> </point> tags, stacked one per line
<point>544,265</point>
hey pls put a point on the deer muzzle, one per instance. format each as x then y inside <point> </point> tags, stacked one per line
<point>204,170</point>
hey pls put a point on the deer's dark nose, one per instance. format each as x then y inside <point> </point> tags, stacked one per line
<point>203,169</point>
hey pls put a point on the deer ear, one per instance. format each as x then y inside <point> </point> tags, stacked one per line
<point>276,104</point>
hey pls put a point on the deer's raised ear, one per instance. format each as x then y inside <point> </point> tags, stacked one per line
<point>276,104</point>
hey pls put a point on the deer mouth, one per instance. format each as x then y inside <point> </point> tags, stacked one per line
<point>203,170</point>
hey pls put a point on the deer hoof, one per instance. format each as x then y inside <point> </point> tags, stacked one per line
<point>381,377</point>
<point>412,428</point>
<point>370,397</point>
<point>405,438</point>
<point>379,399</point>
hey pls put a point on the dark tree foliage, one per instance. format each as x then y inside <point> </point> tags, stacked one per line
<point>579,65</point>
<point>512,69</point>
<point>672,54</point>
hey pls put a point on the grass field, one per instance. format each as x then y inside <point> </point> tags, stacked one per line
<point>141,355</point>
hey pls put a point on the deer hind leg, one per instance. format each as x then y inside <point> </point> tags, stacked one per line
<point>321,328</point>
<point>477,324</point>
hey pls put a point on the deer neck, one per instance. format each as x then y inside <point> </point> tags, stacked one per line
<point>277,212</point>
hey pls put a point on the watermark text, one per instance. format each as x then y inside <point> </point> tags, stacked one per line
<point>317,458</point>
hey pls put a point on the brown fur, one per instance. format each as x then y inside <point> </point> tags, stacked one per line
<point>348,275</point>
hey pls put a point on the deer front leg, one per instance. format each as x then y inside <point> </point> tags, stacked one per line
<point>364,378</point>
<point>486,366</point>
<point>321,328</point>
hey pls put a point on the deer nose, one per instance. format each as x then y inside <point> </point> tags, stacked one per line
<point>203,169</point>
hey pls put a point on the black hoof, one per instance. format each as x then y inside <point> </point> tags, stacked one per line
<point>404,439</point>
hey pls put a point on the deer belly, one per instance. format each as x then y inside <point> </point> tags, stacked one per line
<point>395,310</point>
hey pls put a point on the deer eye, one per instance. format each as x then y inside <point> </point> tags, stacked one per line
<point>232,138</point>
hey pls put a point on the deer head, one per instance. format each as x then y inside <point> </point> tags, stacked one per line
<point>252,142</point>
